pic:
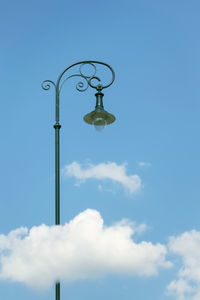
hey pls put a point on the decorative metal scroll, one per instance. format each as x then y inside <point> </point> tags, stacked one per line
<point>91,80</point>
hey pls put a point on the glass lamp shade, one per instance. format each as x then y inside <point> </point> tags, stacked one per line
<point>99,118</point>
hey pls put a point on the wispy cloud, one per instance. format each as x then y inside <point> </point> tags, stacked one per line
<point>102,171</point>
<point>187,284</point>
<point>143,164</point>
<point>83,248</point>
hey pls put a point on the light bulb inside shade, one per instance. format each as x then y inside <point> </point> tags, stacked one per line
<point>99,124</point>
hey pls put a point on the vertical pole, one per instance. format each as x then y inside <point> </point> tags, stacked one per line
<point>57,127</point>
<point>58,291</point>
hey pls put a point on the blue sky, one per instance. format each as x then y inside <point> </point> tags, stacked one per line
<point>154,47</point>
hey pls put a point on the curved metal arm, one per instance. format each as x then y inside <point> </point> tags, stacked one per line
<point>87,79</point>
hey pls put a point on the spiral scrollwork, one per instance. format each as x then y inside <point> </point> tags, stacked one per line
<point>46,84</point>
<point>90,64</point>
<point>89,79</point>
<point>80,86</point>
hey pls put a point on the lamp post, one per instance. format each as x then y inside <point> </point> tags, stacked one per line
<point>98,117</point>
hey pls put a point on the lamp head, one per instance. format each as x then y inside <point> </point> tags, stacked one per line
<point>99,117</point>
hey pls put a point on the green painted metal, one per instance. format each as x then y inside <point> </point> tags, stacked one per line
<point>81,87</point>
<point>57,291</point>
<point>57,127</point>
<point>99,116</point>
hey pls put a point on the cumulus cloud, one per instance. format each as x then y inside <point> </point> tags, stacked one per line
<point>83,248</point>
<point>102,171</point>
<point>187,284</point>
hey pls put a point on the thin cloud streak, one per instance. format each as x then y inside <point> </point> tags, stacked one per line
<point>83,248</point>
<point>143,164</point>
<point>110,170</point>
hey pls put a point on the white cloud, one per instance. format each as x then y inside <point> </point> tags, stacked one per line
<point>143,164</point>
<point>187,285</point>
<point>82,248</point>
<point>102,171</point>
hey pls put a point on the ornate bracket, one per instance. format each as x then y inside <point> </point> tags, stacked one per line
<point>81,86</point>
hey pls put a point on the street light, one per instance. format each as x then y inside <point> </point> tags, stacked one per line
<point>99,117</point>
